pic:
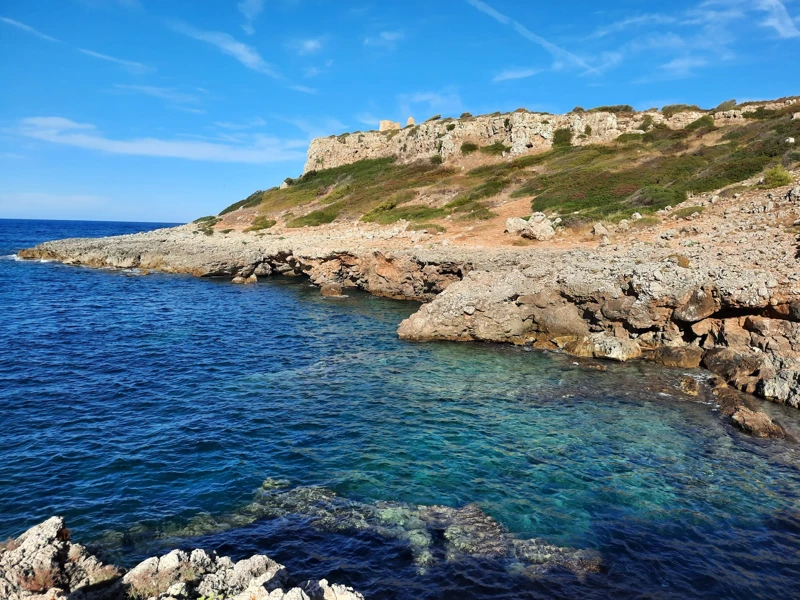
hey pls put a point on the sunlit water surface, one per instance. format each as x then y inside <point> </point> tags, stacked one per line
<point>139,405</point>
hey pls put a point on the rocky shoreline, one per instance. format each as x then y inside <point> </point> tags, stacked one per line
<point>720,290</point>
<point>43,564</point>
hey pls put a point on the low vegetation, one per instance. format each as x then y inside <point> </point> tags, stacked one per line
<point>688,211</point>
<point>776,177</point>
<point>616,108</point>
<point>639,172</point>
<point>496,149</point>
<point>206,224</point>
<point>671,110</point>
<point>260,223</point>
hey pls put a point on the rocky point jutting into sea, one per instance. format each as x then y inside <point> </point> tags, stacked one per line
<point>711,280</point>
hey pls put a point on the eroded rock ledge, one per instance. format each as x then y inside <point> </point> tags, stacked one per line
<point>43,564</point>
<point>727,298</point>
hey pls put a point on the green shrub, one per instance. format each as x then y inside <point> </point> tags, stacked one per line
<point>671,110</point>
<point>647,123</point>
<point>616,108</point>
<point>451,126</point>
<point>578,109</point>
<point>260,223</point>
<point>760,113</point>
<point>629,137</point>
<point>727,105</point>
<point>434,118</point>
<point>465,115</point>
<point>437,159</point>
<point>211,219</point>
<point>686,212</point>
<point>322,216</point>
<point>704,122</point>
<point>658,196</point>
<point>468,148</point>
<point>587,130</point>
<point>562,138</point>
<point>776,177</point>
<point>495,149</point>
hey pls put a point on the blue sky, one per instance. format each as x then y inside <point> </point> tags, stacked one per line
<point>166,111</point>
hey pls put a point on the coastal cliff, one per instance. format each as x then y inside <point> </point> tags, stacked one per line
<point>519,132</point>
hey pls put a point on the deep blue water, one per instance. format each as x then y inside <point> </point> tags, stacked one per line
<point>148,408</point>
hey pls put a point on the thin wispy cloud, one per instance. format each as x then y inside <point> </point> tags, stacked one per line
<point>110,3</point>
<point>309,46</point>
<point>368,119</point>
<point>559,54</point>
<point>168,94</point>
<point>58,130</point>
<point>385,39</point>
<point>511,74</point>
<point>250,9</point>
<point>28,29</point>
<point>445,102</point>
<point>132,66</point>
<point>778,18</point>
<point>244,53</point>
<point>227,44</point>
<point>257,122</point>
<point>189,109</point>
<point>314,128</point>
<point>634,22</point>
<point>683,66</point>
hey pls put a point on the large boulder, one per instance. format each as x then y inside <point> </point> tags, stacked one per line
<point>540,228</point>
<point>43,561</point>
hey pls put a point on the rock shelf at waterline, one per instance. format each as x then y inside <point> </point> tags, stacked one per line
<point>722,302</point>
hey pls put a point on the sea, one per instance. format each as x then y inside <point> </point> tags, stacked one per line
<point>156,411</point>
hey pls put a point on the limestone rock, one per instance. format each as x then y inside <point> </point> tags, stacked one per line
<point>757,424</point>
<point>698,306</point>
<point>516,225</point>
<point>43,561</point>
<point>615,349</point>
<point>42,564</point>
<point>686,357</point>
<point>599,230</point>
<point>539,228</point>
<point>331,290</point>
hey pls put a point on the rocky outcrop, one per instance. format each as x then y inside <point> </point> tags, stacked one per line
<point>538,227</point>
<point>42,564</point>
<point>521,131</point>
<point>245,258</point>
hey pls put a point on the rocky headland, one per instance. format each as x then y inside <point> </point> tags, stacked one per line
<point>712,281</point>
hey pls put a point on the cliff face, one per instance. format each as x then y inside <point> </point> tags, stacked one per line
<point>521,131</point>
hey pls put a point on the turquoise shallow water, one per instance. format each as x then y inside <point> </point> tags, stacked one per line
<point>132,404</point>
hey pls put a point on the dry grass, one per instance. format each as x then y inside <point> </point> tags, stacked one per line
<point>41,580</point>
<point>9,545</point>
